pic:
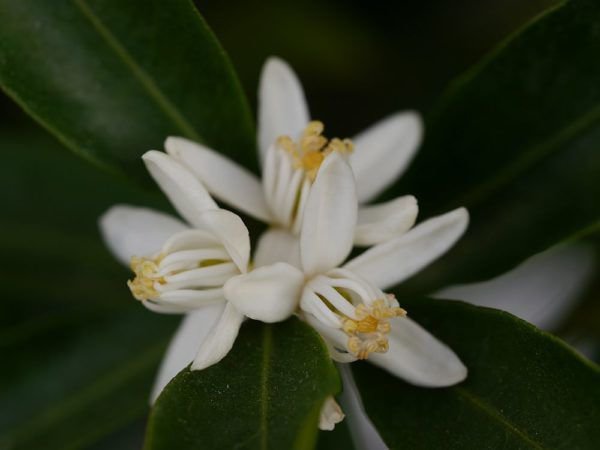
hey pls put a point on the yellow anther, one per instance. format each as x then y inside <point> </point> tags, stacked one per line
<point>369,333</point>
<point>142,286</point>
<point>310,152</point>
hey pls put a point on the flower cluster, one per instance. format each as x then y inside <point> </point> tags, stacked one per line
<point>309,197</point>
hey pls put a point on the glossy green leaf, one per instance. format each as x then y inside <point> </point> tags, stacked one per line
<point>266,393</point>
<point>113,79</point>
<point>514,140</point>
<point>525,390</point>
<point>79,354</point>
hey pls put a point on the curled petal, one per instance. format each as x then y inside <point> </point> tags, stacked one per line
<point>185,343</point>
<point>282,108</point>
<point>391,262</point>
<point>231,231</point>
<point>418,357</point>
<point>330,217</point>
<point>383,152</point>
<point>132,231</point>
<point>225,179</point>
<point>384,221</point>
<point>269,293</point>
<point>220,339</point>
<point>185,192</point>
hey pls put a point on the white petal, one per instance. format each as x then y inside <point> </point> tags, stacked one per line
<point>330,415</point>
<point>418,357</point>
<point>542,290</point>
<point>363,432</point>
<point>282,108</point>
<point>384,151</point>
<point>384,221</point>
<point>226,180</point>
<point>232,232</point>
<point>189,197</point>
<point>131,231</point>
<point>277,245</point>
<point>220,338</point>
<point>269,293</point>
<point>185,344</point>
<point>388,264</point>
<point>330,217</point>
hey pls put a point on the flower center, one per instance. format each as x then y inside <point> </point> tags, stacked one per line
<point>368,332</point>
<point>312,148</point>
<point>146,274</point>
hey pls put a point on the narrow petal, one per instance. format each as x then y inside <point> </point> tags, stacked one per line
<point>384,221</point>
<point>418,357</point>
<point>330,415</point>
<point>330,217</point>
<point>220,338</point>
<point>542,290</point>
<point>189,197</point>
<point>277,245</point>
<point>392,262</point>
<point>185,344</point>
<point>384,151</point>
<point>282,108</point>
<point>132,231</point>
<point>363,432</point>
<point>231,231</point>
<point>226,180</point>
<point>269,293</point>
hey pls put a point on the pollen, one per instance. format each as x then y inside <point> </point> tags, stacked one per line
<point>368,332</point>
<point>312,148</point>
<point>143,285</point>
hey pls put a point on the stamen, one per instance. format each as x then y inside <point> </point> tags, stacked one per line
<point>368,332</point>
<point>309,153</point>
<point>146,274</point>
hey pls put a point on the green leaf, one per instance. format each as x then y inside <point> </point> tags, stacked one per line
<point>514,140</point>
<point>266,393</point>
<point>80,354</point>
<point>525,389</point>
<point>113,79</point>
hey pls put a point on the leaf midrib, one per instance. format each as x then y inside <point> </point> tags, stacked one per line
<point>535,154</point>
<point>495,414</point>
<point>164,103</point>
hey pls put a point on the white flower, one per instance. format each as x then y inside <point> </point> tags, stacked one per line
<point>292,148</point>
<point>180,269</point>
<point>346,304</point>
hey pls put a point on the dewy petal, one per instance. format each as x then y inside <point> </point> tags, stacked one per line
<point>384,151</point>
<point>418,357</point>
<point>269,293</point>
<point>220,338</point>
<point>225,179</point>
<point>132,231</point>
<point>542,290</point>
<point>327,232</point>
<point>231,231</point>
<point>392,262</point>
<point>330,415</point>
<point>189,197</point>
<point>185,343</point>
<point>277,245</point>
<point>384,221</point>
<point>282,108</point>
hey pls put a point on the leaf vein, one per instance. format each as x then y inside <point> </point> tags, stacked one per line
<point>145,80</point>
<point>495,414</point>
